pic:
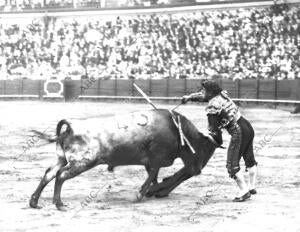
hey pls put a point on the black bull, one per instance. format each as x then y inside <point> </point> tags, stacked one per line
<point>147,138</point>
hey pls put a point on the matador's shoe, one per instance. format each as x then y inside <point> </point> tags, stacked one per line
<point>242,198</point>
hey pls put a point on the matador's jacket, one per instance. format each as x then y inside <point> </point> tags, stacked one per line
<point>222,105</point>
<point>223,113</point>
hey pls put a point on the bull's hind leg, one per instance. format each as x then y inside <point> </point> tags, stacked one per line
<point>49,175</point>
<point>153,172</point>
<point>71,170</point>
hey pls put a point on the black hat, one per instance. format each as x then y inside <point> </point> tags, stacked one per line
<point>211,87</point>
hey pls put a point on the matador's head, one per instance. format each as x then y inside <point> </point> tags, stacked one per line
<point>211,89</point>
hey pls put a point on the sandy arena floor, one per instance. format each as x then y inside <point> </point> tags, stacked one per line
<point>203,203</point>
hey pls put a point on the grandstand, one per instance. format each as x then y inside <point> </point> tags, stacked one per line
<point>234,40</point>
<point>55,5</point>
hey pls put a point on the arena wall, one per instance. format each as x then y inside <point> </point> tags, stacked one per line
<point>285,90</point>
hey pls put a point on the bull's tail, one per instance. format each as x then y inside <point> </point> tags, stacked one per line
<point>52,139</point>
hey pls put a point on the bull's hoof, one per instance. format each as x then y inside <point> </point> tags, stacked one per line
<point>139,197</point>
<point>60,206</point>
<point>149,194</point>
<point>153,190</point>
<point>33,203</point>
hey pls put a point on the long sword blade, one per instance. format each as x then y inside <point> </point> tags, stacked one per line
<point>144,95</point>
<point>150,102</point>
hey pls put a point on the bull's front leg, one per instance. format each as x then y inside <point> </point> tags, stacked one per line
<point>165,191</point>
<point>152,177</point>
<point>192,167</point>
<point>149,169</point>
<point>164,188</point>
<point>168,184</point>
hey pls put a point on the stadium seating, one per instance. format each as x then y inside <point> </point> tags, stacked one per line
<point>245,43</point>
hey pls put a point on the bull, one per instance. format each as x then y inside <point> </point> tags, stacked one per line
<point>149,138</point>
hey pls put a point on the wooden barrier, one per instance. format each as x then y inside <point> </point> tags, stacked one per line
<point>21,88</point>
<point>283,90</point>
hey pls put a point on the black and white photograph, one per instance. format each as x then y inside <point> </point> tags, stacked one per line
<point>150,115</point>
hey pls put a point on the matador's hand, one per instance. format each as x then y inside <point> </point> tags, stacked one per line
<point>185,99</point>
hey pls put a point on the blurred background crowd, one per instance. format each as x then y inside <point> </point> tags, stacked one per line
<point>27,5</point>
<point>259,43</point>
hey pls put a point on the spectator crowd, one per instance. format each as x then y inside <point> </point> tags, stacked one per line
<point>259,43</point>
<point>29,5</point>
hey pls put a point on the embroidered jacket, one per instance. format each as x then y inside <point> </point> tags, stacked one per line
<point>222,105</point>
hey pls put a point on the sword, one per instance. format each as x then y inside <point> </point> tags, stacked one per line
<point>151,103</point>
<point>177,106</point>
<point>144,95</point>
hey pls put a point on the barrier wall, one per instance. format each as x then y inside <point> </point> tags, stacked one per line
<point>245,89</point>
<point>21,87</point>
